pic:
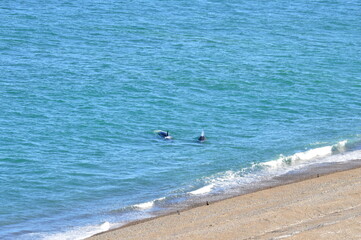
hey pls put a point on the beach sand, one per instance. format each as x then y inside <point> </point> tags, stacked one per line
<point>324,207</point>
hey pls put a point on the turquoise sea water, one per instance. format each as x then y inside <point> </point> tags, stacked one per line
<point>275,85</point>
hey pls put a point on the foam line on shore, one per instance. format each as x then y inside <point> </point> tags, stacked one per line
<point>203,190</point>
<point>79,233</point>
<point>259,172</point>
<point>305,157</point>
<point>305,209</point>
<point>148,205</point>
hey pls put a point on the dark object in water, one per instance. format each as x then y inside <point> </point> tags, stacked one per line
<point>164,135</point>
<point>202,138</point>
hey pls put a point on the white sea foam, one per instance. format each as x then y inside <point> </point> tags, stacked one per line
<point>203,190</point>
<point>344,157</point>
<point>223,181</point>
<point>264,171</point>
<point>301,158</point>
<point>148,205</point>
<point>79,233</point>
<point>145,205</point>
<point>230,179</point>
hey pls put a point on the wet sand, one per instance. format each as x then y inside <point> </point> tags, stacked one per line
<point>324,207</point>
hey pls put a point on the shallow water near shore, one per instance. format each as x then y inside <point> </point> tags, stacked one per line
<point>84,85</point>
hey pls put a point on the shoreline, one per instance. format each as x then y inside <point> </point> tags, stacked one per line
<point>317,173</point>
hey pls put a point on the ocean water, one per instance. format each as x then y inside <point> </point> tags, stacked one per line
<point>275,85</point>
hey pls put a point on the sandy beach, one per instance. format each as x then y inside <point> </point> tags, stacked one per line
<point>324,207</point>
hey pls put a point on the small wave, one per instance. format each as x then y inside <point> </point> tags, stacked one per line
<point>259,172</point>
<point>79,233</point>
<point>147,205</point>
<point>203,190</point>
<point>307,156</point>
<point>223,181</point>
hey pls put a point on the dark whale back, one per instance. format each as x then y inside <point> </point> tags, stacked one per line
<point>163,134</point>
<point>202,138</point>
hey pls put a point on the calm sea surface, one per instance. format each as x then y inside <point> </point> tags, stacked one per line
<point>275,85</point>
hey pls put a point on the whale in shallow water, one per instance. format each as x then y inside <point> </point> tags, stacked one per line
<point>164,134</point>
<point>202,138</point>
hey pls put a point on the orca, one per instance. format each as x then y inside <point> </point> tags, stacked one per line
<point>202,138</point>
<point>164,135</point>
